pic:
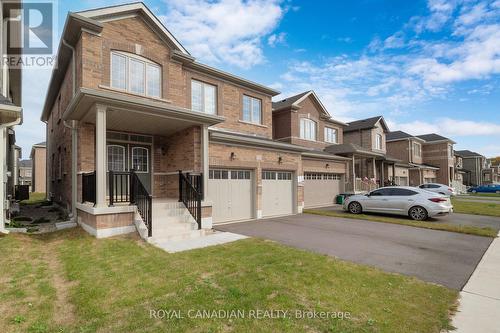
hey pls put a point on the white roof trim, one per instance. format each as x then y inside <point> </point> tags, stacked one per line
<point>102,13</point>
<point>325,111</point>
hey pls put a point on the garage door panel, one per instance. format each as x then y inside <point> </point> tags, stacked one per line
<point>232,197</point>
<point>320,189</point>
<point>277,193</point>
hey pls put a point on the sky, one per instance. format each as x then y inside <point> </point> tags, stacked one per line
<point>426,66</point>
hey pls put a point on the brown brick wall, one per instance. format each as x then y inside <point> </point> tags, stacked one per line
<point>106,221</point>
<point>315,165</point>
<point>399,150</point>
<point>436,154</point>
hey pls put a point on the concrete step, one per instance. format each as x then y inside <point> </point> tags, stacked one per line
<point>166,238</point>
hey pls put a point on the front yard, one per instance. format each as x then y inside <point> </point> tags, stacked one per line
<point>476,208</point>
<point>71,282</point>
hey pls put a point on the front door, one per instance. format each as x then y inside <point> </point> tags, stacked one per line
<point>140,161</point>
<point>123,157</point>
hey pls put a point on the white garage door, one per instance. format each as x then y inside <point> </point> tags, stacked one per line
<point>277,193</point>
<point>232,195</point>
<point>320,189</point>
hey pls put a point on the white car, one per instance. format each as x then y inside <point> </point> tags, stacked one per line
<point>400,200</point>
<point>439,188</point>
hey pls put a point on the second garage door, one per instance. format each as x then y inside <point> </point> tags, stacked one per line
<point>277,193</point>
<point>320,189</point>
<point>232,195</point>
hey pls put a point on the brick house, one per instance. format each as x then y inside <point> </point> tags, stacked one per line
<point>38,158</point>
<point>408,148</point>
<point>132,117</point>
<point>369,164</point>
<point>304,121</point>
<point>475,164</point>
<point>438,151</point>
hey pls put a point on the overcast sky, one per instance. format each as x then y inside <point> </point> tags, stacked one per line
<point>426,66</point>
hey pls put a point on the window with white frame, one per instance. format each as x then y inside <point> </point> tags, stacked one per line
<point>116,158</point>
<point>450,151</point>
<point>378,141</point>
<point>331,135</point>
<point>140,159</point>
<point>417,149</point>
<point>307,129</point>
<point>135,74</point>
<point>252,109</point>
<point>203,97</point>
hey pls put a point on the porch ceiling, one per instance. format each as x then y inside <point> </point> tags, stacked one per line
<point>126,113</point>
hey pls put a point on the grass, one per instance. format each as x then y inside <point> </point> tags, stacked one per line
<point>463,229</point>
<point>476,208</point>
<point>35,199</point>
<point>495,195</point>
<point>71,282</point>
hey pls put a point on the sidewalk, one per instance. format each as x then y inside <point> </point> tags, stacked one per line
<point>479,309</point>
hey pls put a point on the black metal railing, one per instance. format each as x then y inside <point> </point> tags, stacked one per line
<point>191,194</point>
<point>88,187</point>
<point>119,187</point>
<point>140,197</point>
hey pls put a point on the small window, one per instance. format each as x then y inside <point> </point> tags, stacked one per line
<point>268,175</point>
<point>417,149</point>
<point>284,176</point>
<point>140,159</point>
<point>307,129</point>
<point>203,97</point>
<point>116,158</point>
<point>240,174</point>
<point>218,174</point>
<point>378,142</point>
<point>331,135</point>
<point>252,109</point>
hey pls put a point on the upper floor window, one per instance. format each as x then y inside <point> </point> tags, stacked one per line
<point>203,97</point>
<point>307,129</point>
<point>135,74</point>
<point>331,135</point>
<point>252,109</point>
<point>417,149</point>
<point>450,151</point>
<point>378,142</point>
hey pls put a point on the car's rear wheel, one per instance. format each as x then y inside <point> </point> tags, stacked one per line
<point>418,213</point>
<point>355,208</point>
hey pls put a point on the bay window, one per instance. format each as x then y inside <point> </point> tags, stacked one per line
<point>307,129</point>
<point>135,74</point>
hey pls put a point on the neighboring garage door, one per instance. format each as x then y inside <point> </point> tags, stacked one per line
<point>320,189</point>
<point>231,194</point>
<point>401,181</point>
<point>277,193</point>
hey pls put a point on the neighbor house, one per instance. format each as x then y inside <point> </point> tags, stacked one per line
<point>10,112</point>
<point>25,172</point>
<point>304,121</point>
<point>38,158</point>
<point>474,163</point>
<point>369,164</point>
<point>142,135</point>
<point>437,151</point>
<point>409,149</point>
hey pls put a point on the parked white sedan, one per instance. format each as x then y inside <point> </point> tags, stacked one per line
<point>439,188</point>
<point>400,200</point>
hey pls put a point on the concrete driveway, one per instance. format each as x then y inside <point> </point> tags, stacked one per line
<point>441,257</point>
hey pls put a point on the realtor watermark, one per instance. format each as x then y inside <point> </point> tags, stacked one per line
<point>252,314</point>
<point>28,34</point>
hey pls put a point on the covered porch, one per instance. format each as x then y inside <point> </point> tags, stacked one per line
<point>131,152</point>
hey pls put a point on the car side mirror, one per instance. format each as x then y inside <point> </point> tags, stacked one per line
<point>368,194</point>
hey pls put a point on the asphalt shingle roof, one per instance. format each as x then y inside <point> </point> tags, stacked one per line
<point>432,137</point>
<point>396,135</point>
<point>467,153</point>
<point>362,124</point>
<point>287,102</point>
<point>25,163</point>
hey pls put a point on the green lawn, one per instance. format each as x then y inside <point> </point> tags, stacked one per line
<point>476,208</point>
<point>35,198</point>
<point>464,229</point>
<point>72,282</point>
<point>495,195</point>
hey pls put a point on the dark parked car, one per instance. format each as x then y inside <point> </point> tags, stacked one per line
<point>490,188</point>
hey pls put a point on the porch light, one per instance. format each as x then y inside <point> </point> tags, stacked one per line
<point>280,159</point>
<point>233,156</point>
<point>327,165</point>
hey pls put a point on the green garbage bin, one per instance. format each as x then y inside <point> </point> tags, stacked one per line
<point>340,199</point>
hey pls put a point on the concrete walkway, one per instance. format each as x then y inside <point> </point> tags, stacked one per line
<point>479,309</point>
<point>216,238</point>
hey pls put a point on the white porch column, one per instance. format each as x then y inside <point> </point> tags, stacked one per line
<point>354,173</point>
<point>74,167</point>
<point>100,155</point>
<point>3,177</point>
<point>204,159</point>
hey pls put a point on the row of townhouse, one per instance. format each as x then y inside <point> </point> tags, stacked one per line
<point>477,169</point>
<point>10,115</point>
<point>132,117</point>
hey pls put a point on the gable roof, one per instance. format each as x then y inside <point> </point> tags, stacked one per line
<point>433,137</point>
<point>294,103</point>
<point>367,123</point>
<point>400,135</point>
<point>26,163</point>
<point>467,153</point>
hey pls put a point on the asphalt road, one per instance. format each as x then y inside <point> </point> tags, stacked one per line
<point>441,257</point>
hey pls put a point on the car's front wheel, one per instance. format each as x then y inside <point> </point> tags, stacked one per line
<point>355,208</point>
<point>418,213</point>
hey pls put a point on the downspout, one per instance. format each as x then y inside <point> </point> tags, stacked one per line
<point>74,138</point>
